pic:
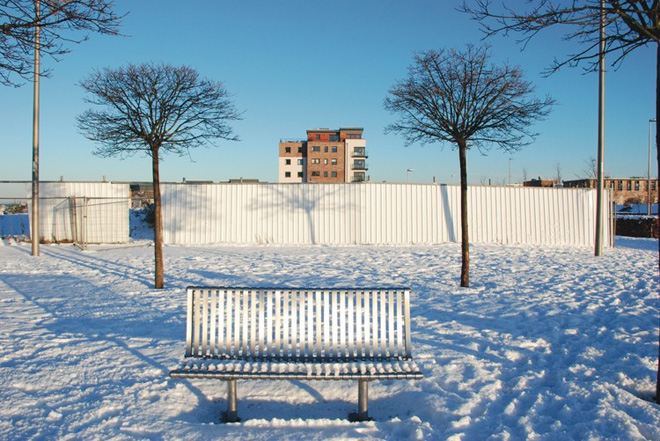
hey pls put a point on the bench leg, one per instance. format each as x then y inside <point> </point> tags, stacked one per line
<point>231,416</point>
<point>363,402</point>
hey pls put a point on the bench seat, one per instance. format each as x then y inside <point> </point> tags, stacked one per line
<point>226,369</point>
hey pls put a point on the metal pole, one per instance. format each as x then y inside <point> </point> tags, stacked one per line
<point>510,159</point>
<point>232,412</point>
<point>601,133</point>
<point>363,400</point>
<point>649,201</point>
<point>35,137</point>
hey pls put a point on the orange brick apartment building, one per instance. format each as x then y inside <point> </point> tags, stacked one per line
<point>325,156</point>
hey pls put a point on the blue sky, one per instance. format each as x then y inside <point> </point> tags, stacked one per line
<point>294,65</point>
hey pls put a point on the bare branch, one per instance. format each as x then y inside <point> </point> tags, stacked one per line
<point>457,96</point>
<point>60,22</point>
<point>153,106</point>
<point>629,24</point>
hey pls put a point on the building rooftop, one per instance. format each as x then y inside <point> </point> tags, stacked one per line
<point>341,129</point>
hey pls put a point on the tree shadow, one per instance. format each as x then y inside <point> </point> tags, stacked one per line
<point>102,315</point>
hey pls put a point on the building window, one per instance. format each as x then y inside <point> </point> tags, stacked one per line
<point>318,136</point>
<point>316,173</point>
<point>636,185</point>
<point>629,185</point>
<point>334,162</point>
<point>325,174</point>
<point>300,150</point>
<point>286,175</point>
<point>652,185</point>
<point>300,162</point>
<point>325,149</point>
<point>620,186</point>
<point>325,162</point>
<point>316,161</point>
<point>287,149</point>
<point>334,138</point>
<point>316,149</point>
<point>287,161</point>
<point>334,149</point>
<point>300,174</point>
<point>333,174</point>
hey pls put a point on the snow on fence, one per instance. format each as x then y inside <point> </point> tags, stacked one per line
<point>377,214</point>
<point>82,212</point>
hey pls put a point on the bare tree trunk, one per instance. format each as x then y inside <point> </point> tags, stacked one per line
<point>158,224</point>
<point>465,242</point>
<point>657,146</point>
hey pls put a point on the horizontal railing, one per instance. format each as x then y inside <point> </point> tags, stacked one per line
<point>293,140</point>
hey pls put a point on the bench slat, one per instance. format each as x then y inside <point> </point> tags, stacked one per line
<point>221,322</point>
<point>237,324</point>
<point>390,329</point>
<point>189,322</point>
<point>406,309</point>
<point>351,324</point>
<point>213,324</point>
<point>318,342</point>
<point>197,317</point>
<point>358,323</point>
<point>382,350</point>
<point>205,321</point>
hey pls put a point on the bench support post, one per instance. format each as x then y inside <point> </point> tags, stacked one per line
<point>231,416</point>
<point>363,402</point>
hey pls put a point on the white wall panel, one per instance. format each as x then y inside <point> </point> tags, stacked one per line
<point>98,210</point>
<point>296,214</point>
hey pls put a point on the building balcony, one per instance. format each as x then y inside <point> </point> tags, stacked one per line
<point>360,153</point>
<point>359,177</point>
<point>360,165</point>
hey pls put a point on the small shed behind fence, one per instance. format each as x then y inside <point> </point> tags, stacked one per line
<point>83,212</point>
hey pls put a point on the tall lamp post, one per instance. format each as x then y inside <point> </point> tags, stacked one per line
<point>601,135</point>
<point>649,201</point>
<point>35,136</point>
<point>510,159</point>
<point>408,172</point>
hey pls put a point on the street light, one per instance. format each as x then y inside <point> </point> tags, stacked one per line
<point>648,183</point>
<point>510,159</point>
<point>408,172</point>
<point>35,136</point>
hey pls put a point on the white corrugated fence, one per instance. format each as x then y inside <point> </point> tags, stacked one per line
<point>392,214</point>
<point>83,212</point>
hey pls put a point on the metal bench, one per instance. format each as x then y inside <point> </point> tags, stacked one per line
<point>298,334</point>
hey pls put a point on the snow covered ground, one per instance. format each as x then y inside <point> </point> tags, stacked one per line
<point>548,344</point>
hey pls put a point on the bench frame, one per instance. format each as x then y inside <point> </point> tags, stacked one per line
<point>364,333</point>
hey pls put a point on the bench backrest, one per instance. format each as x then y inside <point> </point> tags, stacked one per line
<point>295,324</point>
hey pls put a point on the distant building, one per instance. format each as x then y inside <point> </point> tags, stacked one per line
<point>325,156</point>
<point>539,183</point>
<point>623,189</point>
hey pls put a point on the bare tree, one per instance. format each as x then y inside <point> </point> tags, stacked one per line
<point>558,176</point>
<point>628,25</point>
<point>461,98</point>
<point>58,21</point>
<point>590,169</point>
<point>149,107</point>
